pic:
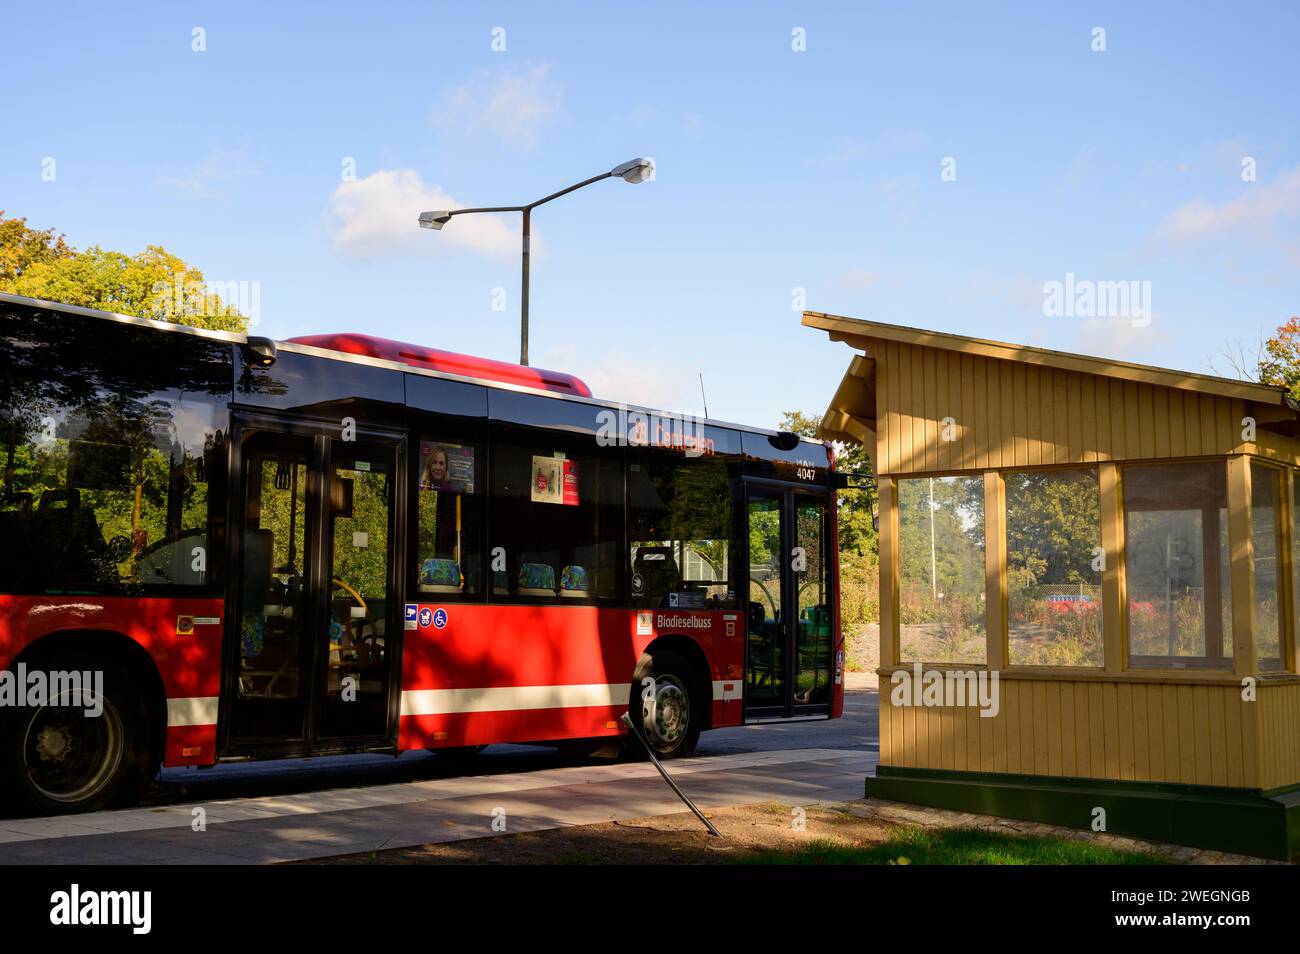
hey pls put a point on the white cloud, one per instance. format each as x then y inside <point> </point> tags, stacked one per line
<point>1257,208</point>
<point>219,169</point>
<point>510,106</point>
<point>378,215</point>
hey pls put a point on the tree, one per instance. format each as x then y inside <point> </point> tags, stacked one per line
<point>1053,524</point>
<point>856,531</point>
<point>22,247</point>
<point>1279,364</point>
<point>151,284</point>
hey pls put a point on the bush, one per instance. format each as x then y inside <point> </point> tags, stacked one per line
<point>859,592</point>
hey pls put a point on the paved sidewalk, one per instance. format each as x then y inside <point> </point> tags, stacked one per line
<point>339,821</point>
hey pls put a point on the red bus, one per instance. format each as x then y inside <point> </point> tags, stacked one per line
<point>340,543</point>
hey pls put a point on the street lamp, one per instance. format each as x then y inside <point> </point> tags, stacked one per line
<point>633,171</point>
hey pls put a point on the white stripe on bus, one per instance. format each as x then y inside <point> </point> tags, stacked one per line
<point>195,710</point>
<point>202,710</point>
<point>422,702</point>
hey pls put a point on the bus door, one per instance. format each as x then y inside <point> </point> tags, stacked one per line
<point>789,641</point>
<point>311,645</point>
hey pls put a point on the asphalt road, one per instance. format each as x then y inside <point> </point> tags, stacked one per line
<point>858,730</point>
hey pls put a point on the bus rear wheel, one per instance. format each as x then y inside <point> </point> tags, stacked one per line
<point>80,754</point>
<point>670,716</point>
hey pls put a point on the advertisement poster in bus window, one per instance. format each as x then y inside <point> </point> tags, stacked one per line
<point>446,467</point>
<point>554,481</point>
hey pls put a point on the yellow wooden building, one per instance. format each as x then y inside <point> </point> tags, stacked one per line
<point>1106,557</point>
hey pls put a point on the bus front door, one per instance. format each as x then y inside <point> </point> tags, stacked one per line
<point>310,661</point>
<point>789,639</point>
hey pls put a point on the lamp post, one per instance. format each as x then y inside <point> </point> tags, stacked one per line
<point>633,171</point>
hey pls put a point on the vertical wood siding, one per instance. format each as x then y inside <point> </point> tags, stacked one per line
<point>1009,414</point>
<point>1126,731</point>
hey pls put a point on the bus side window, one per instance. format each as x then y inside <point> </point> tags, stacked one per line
<point>679,531</point>
<point>449,511</point>
<point>557,517</point>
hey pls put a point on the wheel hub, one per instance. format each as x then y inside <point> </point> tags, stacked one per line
<point>69,757</point>
<point>54,743</point>
<point>668,713</point>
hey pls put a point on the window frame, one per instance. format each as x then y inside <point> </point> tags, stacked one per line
<point>1158,664</point>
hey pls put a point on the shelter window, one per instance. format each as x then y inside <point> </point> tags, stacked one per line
<point>1176,565</point>
<point>1054,568</point>
<point>941,569</point>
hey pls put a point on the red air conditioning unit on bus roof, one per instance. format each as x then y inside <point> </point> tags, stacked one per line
<point>418,356</point>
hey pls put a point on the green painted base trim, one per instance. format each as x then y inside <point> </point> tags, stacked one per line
<point>1243,821</point>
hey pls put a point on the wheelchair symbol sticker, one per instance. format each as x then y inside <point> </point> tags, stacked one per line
<point>426,617</point>
<point>439,618</point>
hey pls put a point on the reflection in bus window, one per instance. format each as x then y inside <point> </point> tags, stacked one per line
<point>680,528</point>
<point>109,457</point>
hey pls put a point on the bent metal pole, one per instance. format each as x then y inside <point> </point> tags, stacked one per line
<point>631,727</point>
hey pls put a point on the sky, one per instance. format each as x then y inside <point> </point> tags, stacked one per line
<point>934,165</point>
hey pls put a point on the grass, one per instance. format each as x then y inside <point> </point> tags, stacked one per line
<point>952,846</point>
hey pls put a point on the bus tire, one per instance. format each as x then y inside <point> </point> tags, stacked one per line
<point>62,761</point>
<point>672,727</point>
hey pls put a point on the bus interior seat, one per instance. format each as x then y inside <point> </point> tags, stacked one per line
<point>440,575</point>
<point>573,582</point>
<point>536,579</point>
<point>660,574</point>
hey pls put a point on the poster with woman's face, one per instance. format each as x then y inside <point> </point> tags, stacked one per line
<point>446,467</point>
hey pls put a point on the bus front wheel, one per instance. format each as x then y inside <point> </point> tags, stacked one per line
<point>79,752</point>
<point>667,712</point>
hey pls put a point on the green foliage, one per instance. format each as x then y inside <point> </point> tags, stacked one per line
<point>151,284</point>
<point>1279,364</point>
<point>857,533</point>
<point>365,569</point>
<point>22,248</point>
<point>1053,524</point>
<point>859,591</point>
<point>953,846</point>
<point>949,511</point>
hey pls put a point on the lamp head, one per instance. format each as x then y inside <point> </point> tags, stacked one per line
<point>434,220</point>
<point>634,170</point>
